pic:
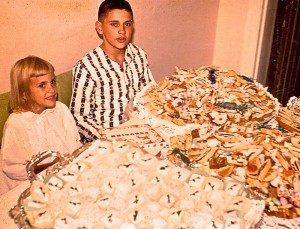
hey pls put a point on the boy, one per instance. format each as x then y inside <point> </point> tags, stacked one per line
<point>107,78</point>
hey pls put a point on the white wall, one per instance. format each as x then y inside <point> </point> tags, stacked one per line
<point>184,33</point>
<point>239,35</point>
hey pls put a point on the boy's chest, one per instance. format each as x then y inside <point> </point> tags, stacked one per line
<point>120,76</point>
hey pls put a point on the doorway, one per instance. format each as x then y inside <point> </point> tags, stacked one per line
<point>283,70</point>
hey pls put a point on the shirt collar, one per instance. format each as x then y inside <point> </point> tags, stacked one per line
<point>30,114</point>
<point>130,53</point>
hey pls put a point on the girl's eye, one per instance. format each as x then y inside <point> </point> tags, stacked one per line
<point>53,82</point>
<point>42,85</point>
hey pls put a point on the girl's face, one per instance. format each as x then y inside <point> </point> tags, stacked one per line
<point>117,29</point>
<point>43,93</point>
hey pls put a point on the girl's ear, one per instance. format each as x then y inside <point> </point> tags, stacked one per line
<point>25,97</point>
<point>98,27</point>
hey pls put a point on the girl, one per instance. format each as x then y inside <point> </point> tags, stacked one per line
<point>38,122</point>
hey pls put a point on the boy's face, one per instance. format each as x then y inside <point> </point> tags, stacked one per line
<point>117,29</point>
<point>42,92</point>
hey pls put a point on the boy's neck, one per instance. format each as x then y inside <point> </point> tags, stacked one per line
<point>116,55</point>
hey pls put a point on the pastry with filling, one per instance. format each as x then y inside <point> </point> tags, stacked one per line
<point>104,147</point>
<point>134,154</point>
<point>40,219</point>
<point>78,167</point>
<point>63,222</point>
<point>111,219</point>
<point>233,188</point>
<point>179,174</point>
<point>54,183</point>
<point>147,161</point>
<point>67,175</point>
<point>167,200</point>
<point>120,146</point>
<point>104,201</point>
<point>196,180</point>
<point>39,191</point>
<point>163,167</point>
<point>212,183</point>
<point>215,223</point>
<point>233,223</point>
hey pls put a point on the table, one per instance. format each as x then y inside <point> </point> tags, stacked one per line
<point>9,199</point>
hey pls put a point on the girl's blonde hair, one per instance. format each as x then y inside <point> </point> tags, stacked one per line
<point>20,75</point>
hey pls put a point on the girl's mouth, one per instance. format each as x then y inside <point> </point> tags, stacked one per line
<point>52,97</point>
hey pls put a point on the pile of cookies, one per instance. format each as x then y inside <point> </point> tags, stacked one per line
<point>266,159</point>
<point>235,138</point>
<point>115,184</point>
<point>209,94</point>
<point>289,116</point>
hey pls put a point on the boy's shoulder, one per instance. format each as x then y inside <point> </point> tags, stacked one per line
<point>93,52</point>
<point>134,48</point>
<point>97,53</point>
<point>136,52</point>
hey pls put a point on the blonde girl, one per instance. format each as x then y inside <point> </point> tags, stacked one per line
<point>38,122</point>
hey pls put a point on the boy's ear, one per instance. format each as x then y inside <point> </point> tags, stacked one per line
<point>98,27</point>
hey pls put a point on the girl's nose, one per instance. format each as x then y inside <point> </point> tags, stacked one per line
<point>52,88</point>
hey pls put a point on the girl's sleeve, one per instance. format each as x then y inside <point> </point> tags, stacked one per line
<point>13,150</point>
<point>71,129</point>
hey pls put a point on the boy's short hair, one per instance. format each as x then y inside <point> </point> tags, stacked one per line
<point>108,5</point>
<point>20,75</point>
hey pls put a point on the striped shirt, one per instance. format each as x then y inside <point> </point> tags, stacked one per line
<point>102,89</point>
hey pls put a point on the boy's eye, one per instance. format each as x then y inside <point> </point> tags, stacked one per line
<point>128,24</point>
<point>53,82</point>
<point>115,24</point>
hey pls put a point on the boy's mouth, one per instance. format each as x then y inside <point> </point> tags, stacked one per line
<point>121,39</point>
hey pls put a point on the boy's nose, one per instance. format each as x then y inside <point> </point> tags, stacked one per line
<point>121,30</point>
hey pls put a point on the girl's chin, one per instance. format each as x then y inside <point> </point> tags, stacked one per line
<point>47,106</point>
<point>51,105</point>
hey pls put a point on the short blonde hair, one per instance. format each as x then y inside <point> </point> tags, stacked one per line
<point>20,75</point>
